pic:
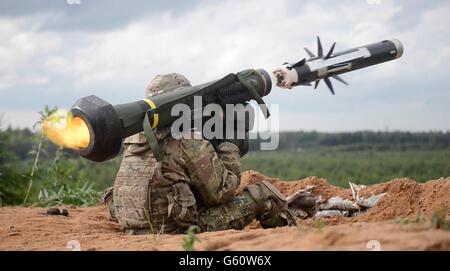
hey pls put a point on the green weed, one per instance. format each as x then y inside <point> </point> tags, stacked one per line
<point>319,224</point>
<point>191,238</point>
<point>439,220</point>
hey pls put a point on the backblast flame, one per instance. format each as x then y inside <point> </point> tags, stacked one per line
<point>66,131</point>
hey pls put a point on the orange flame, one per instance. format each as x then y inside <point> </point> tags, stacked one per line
<point>66,131</point>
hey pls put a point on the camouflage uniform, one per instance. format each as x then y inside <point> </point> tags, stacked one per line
<point>193,185</point>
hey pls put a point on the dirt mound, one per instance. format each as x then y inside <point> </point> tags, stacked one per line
<point>321,186</point>
<point>91,229</point>
<point>404,197</point>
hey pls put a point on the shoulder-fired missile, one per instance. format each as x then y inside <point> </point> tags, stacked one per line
<point>106,125</point>
<point>323,66</point>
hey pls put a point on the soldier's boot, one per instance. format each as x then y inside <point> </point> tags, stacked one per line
<point>273,209</point>
<point>107,199</point>
<point>302,204</point>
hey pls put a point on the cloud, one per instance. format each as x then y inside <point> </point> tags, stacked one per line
<point>89,15</point>
<point>427,46</point>
<point>20,49</point>
<point>18,118</point>
<point>114,54</point>
<point>215,39</point>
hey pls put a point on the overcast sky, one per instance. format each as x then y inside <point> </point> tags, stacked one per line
<point>53,52</point>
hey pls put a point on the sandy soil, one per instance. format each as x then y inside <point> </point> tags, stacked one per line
<point>385,226</point>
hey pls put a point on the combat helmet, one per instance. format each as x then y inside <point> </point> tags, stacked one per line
<point>166,83</point>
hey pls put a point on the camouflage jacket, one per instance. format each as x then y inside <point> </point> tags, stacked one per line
<point>169,194</point>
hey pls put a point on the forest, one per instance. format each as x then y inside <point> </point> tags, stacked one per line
<point>33,171</point>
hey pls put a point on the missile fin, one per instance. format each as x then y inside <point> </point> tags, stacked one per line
<point>337,77</point>
<point>298,64</point>
<point>316,83</point>
<point>319,47</point>
<point>331,51</point>
<point>329,85</point>
<point>311,55</point>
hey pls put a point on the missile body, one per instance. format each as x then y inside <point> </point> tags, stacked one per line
<point>332,64</point>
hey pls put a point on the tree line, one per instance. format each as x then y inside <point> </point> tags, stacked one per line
<point>361,140</point>
<point>34,171</point>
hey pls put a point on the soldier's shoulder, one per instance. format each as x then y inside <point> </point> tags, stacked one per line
<point>138,138</point>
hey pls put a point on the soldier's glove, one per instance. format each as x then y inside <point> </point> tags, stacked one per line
<point>229,155</point>
<point>242,144</point>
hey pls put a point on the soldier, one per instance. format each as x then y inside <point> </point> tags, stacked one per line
<point>194,184</point>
